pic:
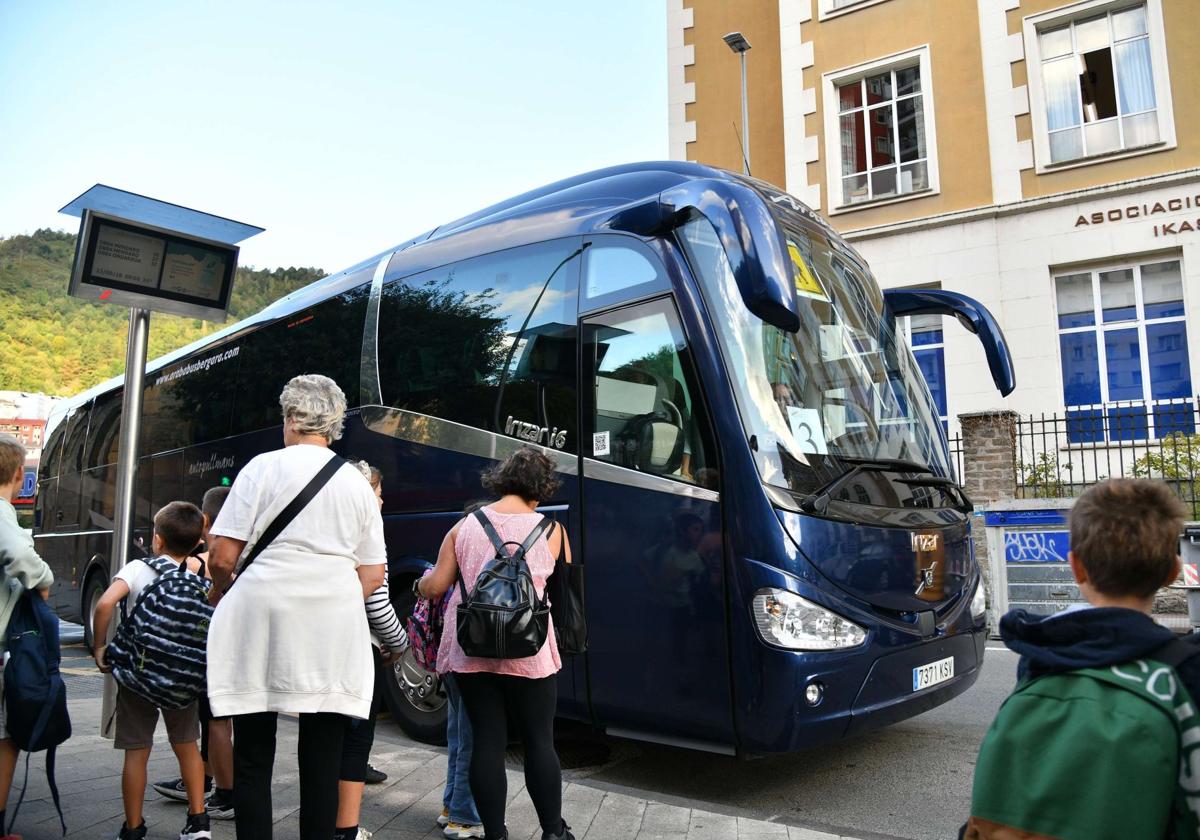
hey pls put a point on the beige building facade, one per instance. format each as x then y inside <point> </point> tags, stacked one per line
<point>1042,156</point>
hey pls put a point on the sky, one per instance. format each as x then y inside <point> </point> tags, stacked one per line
<point>343,128</point>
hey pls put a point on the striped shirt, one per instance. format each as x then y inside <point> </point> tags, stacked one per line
<point>384,623</point>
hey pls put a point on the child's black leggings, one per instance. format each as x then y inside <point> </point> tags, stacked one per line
<point>491,701</point>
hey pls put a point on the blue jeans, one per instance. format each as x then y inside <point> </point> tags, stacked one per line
<point>457,798</point>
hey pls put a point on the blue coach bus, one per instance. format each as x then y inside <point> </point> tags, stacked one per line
<point>753,472</point>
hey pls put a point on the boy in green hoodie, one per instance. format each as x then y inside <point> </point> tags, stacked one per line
<point>22,569</point>
<point>1088,746</point>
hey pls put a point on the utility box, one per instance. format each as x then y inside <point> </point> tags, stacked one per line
<point>1189,551</point>
<point>1028,542</point>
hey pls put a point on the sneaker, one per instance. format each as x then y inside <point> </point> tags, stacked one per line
<point>443,818</point>
<point>11,837</point>
<point>127,833</point>
<point>218,804</point>
<point>197,827</point>
<point>363,834</point>
<point>458,831</point>
<point>563,834</point>
<point>175,789</point>
<point>374,777</point>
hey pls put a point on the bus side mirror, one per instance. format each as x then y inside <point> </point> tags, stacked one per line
<point>971,314</point>
<point>747,230</point>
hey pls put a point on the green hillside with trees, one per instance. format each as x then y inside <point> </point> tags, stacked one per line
<point>59,345</point>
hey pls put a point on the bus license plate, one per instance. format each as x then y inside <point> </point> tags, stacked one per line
<point>933,673</point>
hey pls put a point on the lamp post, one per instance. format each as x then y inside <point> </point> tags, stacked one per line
<point>738,43</point>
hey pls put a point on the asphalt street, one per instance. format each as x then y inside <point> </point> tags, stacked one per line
<point>911,780</point>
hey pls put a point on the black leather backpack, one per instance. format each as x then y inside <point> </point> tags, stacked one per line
<point>502,617</point>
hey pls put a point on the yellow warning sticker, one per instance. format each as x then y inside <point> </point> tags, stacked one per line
<point>806,282</point>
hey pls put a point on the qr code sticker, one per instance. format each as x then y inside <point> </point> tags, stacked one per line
<point>600,443</point>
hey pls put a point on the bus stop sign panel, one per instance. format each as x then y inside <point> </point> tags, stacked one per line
<point>141,252</point>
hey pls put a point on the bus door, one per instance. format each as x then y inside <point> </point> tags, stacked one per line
<point>657,657</point>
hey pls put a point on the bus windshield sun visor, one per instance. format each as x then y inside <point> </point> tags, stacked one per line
<point>972,314</point>
<point>753,241</point>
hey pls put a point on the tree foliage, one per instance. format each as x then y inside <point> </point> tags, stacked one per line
<point>60,345</point>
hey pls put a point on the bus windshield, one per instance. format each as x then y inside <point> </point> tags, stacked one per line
<point>843,389</point>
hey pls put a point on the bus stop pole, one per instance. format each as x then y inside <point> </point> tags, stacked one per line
<point>127,462</point>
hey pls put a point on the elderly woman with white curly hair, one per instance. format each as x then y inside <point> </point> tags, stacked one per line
<point>289,633</point>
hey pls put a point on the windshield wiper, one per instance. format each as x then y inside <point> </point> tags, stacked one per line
<point>818,500</point>
<point>965,504</point>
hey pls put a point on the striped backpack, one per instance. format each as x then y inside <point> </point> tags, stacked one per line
<point>159,652</point>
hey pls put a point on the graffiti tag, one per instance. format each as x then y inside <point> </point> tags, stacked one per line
<point>1036,546</point>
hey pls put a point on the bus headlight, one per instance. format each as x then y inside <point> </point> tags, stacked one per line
<point>979,601</point>
<point>787,620</point>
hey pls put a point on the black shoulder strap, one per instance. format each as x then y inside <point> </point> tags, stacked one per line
<point>490,530</point>
<point>534,536</point>
<point>1175,652</point>
<point>285,516</point>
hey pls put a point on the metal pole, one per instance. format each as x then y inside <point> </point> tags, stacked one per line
<point>745,121</point>
<point>127,461</point>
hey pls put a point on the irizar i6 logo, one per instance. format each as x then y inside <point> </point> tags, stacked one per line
<point>925,542</point>
<point>534,433</point>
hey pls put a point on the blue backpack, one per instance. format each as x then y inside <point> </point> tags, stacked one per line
<point>35,696</point>
<point>160,650</point>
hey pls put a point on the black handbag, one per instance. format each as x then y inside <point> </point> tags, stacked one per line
<point>565,588</point>
<point>503,617</point>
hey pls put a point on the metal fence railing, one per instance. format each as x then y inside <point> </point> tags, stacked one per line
<point>1060,455</point>
<point>956,456</point>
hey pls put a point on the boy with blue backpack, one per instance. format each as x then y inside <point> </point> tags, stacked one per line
<point>157,659</point>
<point>1101,738</point>
<point>22,570</point>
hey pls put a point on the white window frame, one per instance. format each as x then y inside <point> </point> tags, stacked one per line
<point>1139,323</point>
<point>833,134</point>
<point>1033,24</point>
<point>826,8</point>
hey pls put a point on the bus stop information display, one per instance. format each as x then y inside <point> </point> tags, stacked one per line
<point>138,265</point>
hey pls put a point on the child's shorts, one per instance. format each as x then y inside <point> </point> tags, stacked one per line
<point>137,718</point>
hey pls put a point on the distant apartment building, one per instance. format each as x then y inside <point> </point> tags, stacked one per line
<point>28,430</point>
<point>1039,155</point>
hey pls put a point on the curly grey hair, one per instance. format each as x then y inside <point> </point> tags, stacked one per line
<point>315,404</point>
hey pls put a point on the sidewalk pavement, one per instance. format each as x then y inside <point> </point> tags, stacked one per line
<point>404,807</point>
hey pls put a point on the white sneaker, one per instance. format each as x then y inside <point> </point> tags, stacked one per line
<point>363,834</point>
<point>458,831</point>
<point>444,817</point>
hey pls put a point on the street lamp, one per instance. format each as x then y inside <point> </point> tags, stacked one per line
<point>738,43</point>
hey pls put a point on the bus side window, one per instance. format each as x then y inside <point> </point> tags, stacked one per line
<point>325,338</point>
<point>619,268</point>
<point>645,413</point>
<point>486,339</point>
<point>102,443</point>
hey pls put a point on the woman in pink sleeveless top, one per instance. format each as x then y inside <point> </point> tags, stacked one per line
<point>495,689</point>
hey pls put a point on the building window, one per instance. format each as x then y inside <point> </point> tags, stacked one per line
<point>832,8</point>
<point>926,338</point>
<point>1123,346</point>
<point>879,120</point>
<point>1097,81</point>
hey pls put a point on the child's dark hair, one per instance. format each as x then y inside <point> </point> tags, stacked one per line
<point>180,525</point>
<point>1125,532</point>
<point>526,473</point>
<point>214,498</point>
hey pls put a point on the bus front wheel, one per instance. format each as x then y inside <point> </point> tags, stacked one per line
<point>415,697</point>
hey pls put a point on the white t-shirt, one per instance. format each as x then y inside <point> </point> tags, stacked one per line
<point>291,634</point>
<point>138,574</point>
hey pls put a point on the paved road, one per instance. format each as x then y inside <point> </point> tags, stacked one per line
<point>911,780</point>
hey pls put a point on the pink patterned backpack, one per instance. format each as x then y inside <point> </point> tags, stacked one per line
<point>424,628</point>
